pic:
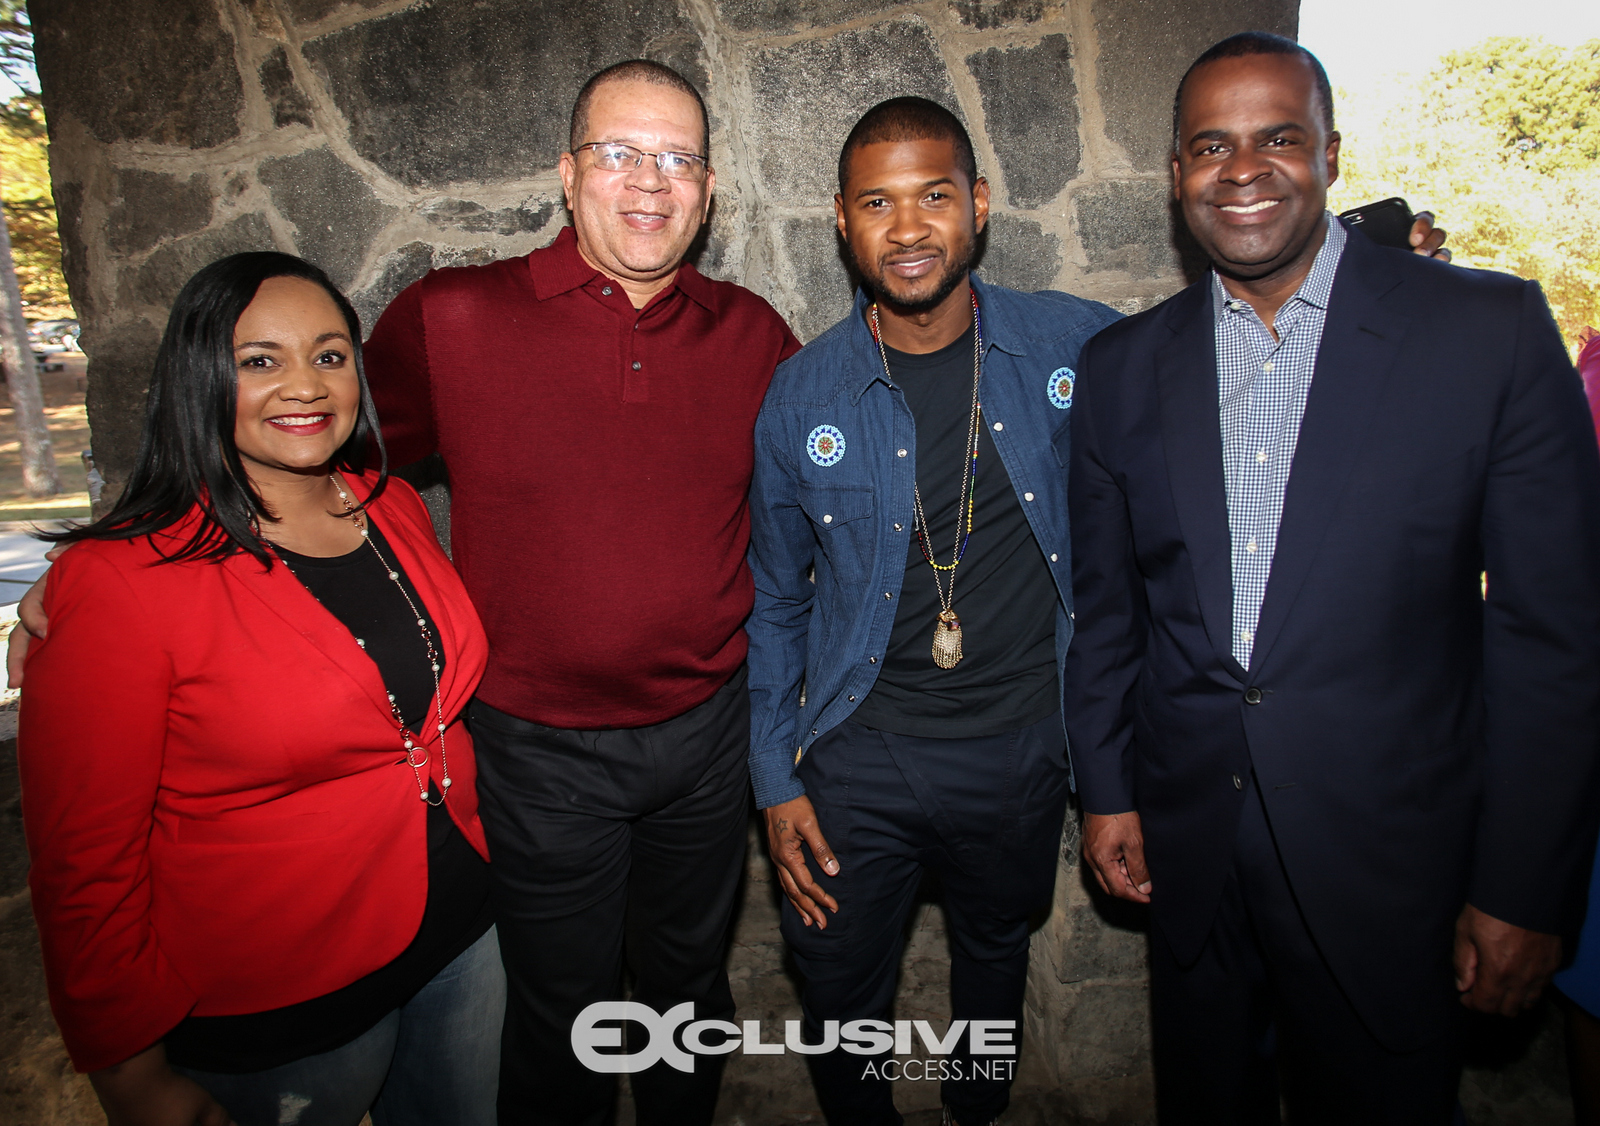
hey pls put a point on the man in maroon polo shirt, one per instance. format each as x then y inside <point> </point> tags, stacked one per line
<point>594,403</point>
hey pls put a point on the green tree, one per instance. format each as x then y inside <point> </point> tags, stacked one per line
<point>30,207</point>
<point>39,475</point>
<point>1541,101</point>
<point>1502,142</point>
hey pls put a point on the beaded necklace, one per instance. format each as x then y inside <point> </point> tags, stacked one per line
<point>407,736</point>
<point>947,630</point>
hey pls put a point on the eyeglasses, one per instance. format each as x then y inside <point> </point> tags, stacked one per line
<point>612,157</point>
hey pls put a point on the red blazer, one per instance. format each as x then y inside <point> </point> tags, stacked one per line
<point>218,808</point>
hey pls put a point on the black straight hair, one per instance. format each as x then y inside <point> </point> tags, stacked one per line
<point>909,119</point>
<point>187,457</point>
<point>1243,45</point>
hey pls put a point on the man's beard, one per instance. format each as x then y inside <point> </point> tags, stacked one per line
<point>957,266</point>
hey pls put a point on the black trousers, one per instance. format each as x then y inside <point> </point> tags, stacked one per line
<point>1260,1015</point>
<point>985,815</point>
<point>609,848</point>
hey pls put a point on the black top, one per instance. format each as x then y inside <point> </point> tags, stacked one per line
<point>356,589</point>
<point>1004,594</point>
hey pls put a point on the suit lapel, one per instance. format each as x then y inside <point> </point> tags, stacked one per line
<point>1186,374</point>
<point>1360,341</point>
<point>284,595</point>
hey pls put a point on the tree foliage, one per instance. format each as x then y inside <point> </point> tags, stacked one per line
<point>1542,102</point>
<point>16,44</point>
<point>30,207</point>
<point>1502,142</point>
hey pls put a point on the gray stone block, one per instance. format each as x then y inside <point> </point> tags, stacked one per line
<point>151,206</point>
<point>448,92</point>
<point>985,14</point>
<point>808,96</point>
<point>290,106</point>
<point>1030,105</point>
<point>74,250</point>
<point>1146,45</point>
<point>1089,936</point>
<point>334,211</point>
<point>713,253</point>
<point>119,377</point>
<point>309,11</point>
<point>130,74</point>
<point>157,281</point>
<point>1019,253</point>
<point>1127,225</point>
<point>467,215</point>
<point>820,280</point>
<point>784,15</point>
<point>395,272</point>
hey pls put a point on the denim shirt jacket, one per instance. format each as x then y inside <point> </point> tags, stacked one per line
<point>831,495</point>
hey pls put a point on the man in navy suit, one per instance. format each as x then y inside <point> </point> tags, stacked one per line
<point>1304,730</point>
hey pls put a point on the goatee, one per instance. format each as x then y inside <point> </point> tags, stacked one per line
<point>956,269</point>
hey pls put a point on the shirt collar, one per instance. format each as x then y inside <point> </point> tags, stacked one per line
<point>998,332</point>
<point>559,269</point>
<point>1317,287</point>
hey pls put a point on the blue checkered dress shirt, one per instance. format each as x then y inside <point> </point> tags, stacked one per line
<point>1262,385</point>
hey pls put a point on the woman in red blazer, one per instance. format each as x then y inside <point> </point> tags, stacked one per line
<point>258,871</point>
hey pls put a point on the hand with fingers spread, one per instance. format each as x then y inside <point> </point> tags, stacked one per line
<point>1113,845</point>
<point>790,826</point>
<point>33,624</point>
<point>1428,240</point>
<point>1500,967</point>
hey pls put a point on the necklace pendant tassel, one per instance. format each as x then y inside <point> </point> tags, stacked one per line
<point>947,640</point>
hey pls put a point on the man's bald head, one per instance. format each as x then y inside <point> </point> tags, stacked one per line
<point>635,70</point>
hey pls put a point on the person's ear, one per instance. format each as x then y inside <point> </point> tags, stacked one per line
<point>980,204</point>
<point>568,167</point>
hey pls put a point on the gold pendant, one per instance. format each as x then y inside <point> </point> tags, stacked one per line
<point>947,640</point>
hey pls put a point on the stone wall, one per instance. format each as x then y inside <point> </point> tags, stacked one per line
<point>380,138</point>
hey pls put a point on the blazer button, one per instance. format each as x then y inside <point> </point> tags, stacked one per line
<point>1238,783</point>
<point>1252,695</point>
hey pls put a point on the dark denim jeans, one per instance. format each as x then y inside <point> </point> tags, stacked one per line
<point>985,814</point>
<point>434,1061</point>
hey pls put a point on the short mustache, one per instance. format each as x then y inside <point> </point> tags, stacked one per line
<point>910,252</point>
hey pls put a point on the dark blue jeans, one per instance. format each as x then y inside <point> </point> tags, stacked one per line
<point>985,815</point>
<point>432,1062</point>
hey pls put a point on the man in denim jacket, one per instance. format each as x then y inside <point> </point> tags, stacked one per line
<point>907,716</point>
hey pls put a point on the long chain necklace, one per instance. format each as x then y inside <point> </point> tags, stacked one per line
<point>407,736</point>
<point>947,630</point>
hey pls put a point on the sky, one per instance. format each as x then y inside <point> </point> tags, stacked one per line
<point>1360,41</point>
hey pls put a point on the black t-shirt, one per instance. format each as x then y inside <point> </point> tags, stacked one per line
<point>1004,594</point>
<point>356,589</point>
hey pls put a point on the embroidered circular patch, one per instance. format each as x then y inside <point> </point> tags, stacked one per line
<point>1060,388</point>
<point>825,445</point>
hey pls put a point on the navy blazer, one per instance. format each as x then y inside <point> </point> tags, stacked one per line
<point>1418,745</point>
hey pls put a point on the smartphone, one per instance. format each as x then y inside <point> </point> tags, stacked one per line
<point>1387,222</point>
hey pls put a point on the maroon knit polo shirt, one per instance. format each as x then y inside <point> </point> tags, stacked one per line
<point>599,460</point>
